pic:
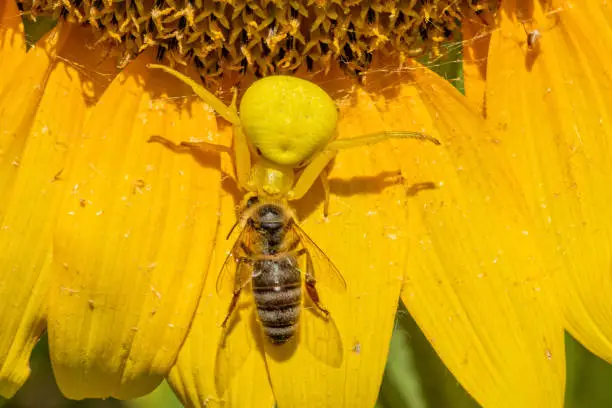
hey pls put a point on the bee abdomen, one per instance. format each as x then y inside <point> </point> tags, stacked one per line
<point>280,335</point>
<point>279,311</point>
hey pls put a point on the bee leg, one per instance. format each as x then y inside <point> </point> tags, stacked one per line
<point>313,294</point>
<point>292,246</point>
<point>310,283</point>
<point>247,251</point>
<point>236,295</point>
<point>232,307</point>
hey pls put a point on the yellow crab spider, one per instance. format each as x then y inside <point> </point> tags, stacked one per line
<point>289,124</point>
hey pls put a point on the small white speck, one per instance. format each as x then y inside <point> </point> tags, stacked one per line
<point>525,233</point>
<point>149,167</point>
<point>156,293</point>
<point>170,325</point>
<point>69,290</point>
<point>100,213</point>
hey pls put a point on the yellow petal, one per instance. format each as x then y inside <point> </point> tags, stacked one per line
<point>133,240</point>
<point>477,284</point>
<point>365,236</point>
<point>551,107</point>
<point>38,139</point>
<point>18,103</point>
<point>476,36</point>
<point>12,40</point>
<point>193,376</point>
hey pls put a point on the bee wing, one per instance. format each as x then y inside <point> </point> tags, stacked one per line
<point>236,339</point>
<point>326,272</point>
<point>229,278</point>
<point>235,344</point>
<point>320,335</point>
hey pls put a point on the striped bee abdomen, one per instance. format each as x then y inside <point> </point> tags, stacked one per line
<point>278,296</point>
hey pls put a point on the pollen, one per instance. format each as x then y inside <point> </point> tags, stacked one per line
<point>266,36</point>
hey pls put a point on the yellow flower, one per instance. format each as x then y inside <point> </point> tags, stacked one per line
<point>496,242</point>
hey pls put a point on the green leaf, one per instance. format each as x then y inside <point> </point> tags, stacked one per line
<point>34,30</point>
<point>415,377</point>
<point>162,397</point>
<point>589,378</point>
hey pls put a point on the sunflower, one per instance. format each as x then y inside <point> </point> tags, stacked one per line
<point>496,242</point>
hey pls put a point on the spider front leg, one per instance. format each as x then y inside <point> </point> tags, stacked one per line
<point>316,167</point>
<point>242,154</point>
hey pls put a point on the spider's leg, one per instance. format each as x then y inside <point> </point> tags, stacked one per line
<point>316,167</point>
<point>242,154</point>
<point>375,138</point>
<point>310,173</point>
<point>325,181</point>
<point>229,113</point>
<point>242,158</point>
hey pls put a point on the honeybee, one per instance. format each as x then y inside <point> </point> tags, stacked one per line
<point>275,257</point>
<point>266,254</point>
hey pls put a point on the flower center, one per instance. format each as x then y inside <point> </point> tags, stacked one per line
<point>268,36</point>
